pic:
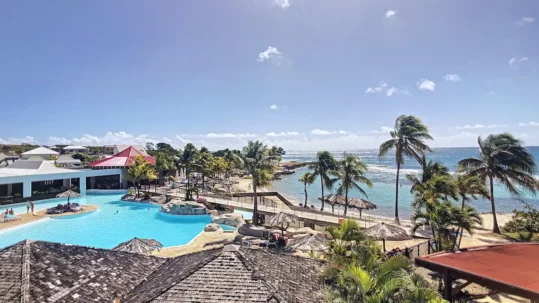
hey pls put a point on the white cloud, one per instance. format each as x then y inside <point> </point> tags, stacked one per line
<point>478,126</point>
<point>327,132</point>
<point>282,134</point>
<point>463,139</point>
<point>383,87</point>
<point>525,21</point>
<point>274,107</point>
<point>426,84</point>
<point>16,140</point>
<point>377,89</point>
<point>282,3</point>
<point>530,123</point>
<point>392,91</point>
<point>272,54</point>
<point>516,61</point>
<point>391,14</point>
<point>383,129</point>
<point>230,135</point>
<point>452,78</point>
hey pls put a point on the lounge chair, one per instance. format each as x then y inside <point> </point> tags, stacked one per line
<point>9,219</point>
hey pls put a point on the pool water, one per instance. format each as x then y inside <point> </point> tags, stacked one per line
<point>116,221</point>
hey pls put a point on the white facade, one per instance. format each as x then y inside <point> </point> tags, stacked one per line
<point>28,171</point>
<point>75,149</point>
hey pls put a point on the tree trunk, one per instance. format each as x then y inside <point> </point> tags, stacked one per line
<point>397,221</point>
<point>345,201</point>
<point>305,189</point>
<point>255,206</point>
<point>460,229</point>
<point>495,227</point>
<point>322,184</point>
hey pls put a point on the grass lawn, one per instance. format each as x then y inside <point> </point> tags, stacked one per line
<point>522,236</point>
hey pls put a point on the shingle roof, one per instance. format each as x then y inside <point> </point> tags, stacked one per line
<point>40,151</point>
<point>52,272</point>
<point>66,273</point>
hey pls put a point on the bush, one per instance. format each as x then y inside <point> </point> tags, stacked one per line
<point>523,221</point>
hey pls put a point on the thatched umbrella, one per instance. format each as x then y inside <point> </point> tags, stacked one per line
<point>358,203</point>
<point>280,219</point>
<point>68,194</point>
<point>137,245</point>
<point>314,242</point>
<point>385,232</point>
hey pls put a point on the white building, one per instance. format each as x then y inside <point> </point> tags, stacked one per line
<point>42,152</point>
<point>71,149</point>
<point>28,178</point>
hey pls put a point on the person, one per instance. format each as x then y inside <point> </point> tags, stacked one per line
<point>11,212</point>
<point>7,211</point>
<point>32,207</point>
<point>28,208</point>
<point>116,211</point>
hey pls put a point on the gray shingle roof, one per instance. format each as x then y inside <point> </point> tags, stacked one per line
<point>52,272</point>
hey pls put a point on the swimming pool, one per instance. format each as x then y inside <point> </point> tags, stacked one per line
<point>116,221</point>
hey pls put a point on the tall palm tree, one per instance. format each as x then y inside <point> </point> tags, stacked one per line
<point>260,165</point>
<point>163,164</point>
<point>306,179</point>
<point>502,158</point>
<point>351,171</point>
<point>233,160</point>
<point>323,167</point>
<point>429,170</point>
<point>470,187</point>
<point>408,140</point>
<point>188,160</point>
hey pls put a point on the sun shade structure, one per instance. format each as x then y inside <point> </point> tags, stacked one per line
<point>383,232</point>
<point>314,242</point>
<point>67,194</point>
<point>280,219</point>
<point>139,246</point>
<point>358,203</point>
<point>509,268</point>
<point>122,159</point>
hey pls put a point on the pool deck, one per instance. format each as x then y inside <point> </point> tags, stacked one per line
<point>39,215</point>
<point>204,241</point>
<point>87,209</point>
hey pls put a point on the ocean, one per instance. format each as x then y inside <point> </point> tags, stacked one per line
<point>382,173</point>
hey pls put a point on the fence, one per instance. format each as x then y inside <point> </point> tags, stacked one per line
<point>419,250</point>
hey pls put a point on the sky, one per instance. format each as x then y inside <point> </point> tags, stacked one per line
<point>301,74</point>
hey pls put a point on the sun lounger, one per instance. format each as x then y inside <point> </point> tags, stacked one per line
<point>9,219</point>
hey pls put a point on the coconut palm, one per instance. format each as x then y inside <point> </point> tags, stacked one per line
<point>233,160</point>
<point>323,167</point>
<point>407,139</point>
<point>429,170</point>
<point>188,160</point>
<point>470,187</point>
<point>445,218</point>
<point>351,171</point>
<point>163,164</point>
<point>306,179</point>
<point>260,165</point>
<point>502,158</point>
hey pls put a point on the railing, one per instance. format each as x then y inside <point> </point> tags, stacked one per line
<point>418,250</point>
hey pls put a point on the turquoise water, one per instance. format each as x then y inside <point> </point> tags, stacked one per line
<point>382,173</point>
<point>115,222</point>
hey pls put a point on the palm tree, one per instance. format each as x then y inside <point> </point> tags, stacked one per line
<point>429,170</point>
<point>323,167</point>
<point>351,172</point>
<point>188,160</point>
<point>445,219</point>
<point>502,157</point>
<point>233,160</point>
<point>470,187</point>
<point>260,165</point>
<point>163,164</point>
<point>407,139</point>
<point>306,179</point>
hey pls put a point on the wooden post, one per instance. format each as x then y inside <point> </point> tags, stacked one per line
<point>448,286</point>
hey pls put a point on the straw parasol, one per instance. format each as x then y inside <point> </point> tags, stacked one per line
<point>280,219</point>
<point>352,202</point>
<point>139,246</point>
<point>385,232</point>
<point>314,242</point>
<point>67,194</point>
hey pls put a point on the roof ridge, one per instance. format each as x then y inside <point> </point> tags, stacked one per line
<point>25,272</point>
<point>192,271</point>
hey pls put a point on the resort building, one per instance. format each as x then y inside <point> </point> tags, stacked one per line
<point>5,159</point>
<point>118,148</point>
<point>75,149</point>
<point>38,271</point>
<point>122,159</point>
<point>67,161</point>
<point>31,180</point>
<point>42,152</point>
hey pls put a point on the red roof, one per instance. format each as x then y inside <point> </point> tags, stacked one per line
<point>509,268</point>
<point>122,159</point>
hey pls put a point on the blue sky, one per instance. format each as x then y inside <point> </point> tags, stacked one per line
<point>301,74</point>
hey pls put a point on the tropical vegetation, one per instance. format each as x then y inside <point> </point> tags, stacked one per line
<point>351,171</point>
<point>407,140</point>
<point>307,179</point>
<point>140,170</point>
<point>324,167</point>
<point>259,164</point>
<point>504,159</point>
